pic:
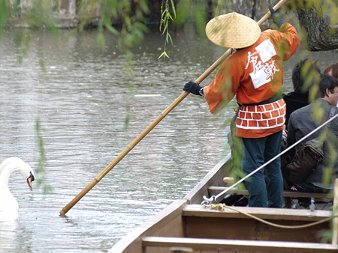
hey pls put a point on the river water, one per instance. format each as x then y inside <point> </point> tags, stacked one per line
<point>91,104</point>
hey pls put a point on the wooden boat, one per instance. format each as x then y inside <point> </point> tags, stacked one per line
<point>188,226</point>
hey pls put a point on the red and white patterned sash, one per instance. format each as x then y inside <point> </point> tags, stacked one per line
<point>261,117</point>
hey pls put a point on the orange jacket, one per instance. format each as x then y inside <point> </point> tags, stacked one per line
<point>260,65</point>
<point>255,74</point>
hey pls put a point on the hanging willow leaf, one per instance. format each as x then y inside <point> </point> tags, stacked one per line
<point>163,54</point>
<point>168,13</point>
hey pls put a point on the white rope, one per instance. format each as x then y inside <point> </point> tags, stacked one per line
<point>213,199</point>
<point>222,207</point>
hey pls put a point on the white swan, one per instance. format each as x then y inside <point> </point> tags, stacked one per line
<point>8,204</point>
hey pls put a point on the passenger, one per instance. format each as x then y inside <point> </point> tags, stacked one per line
<point>304,75</point>
<point>332,70</point>
<point>254,74</point>
<point>303,121</point>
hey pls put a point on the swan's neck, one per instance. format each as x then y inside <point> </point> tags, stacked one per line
<point>8,205</point>
<point>5,173</point>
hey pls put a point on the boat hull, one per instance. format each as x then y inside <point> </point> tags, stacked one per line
<point>187,226</point>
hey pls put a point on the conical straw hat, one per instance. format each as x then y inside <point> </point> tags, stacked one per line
<point>233,30</point>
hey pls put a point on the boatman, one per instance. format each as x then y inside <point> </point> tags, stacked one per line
<point>254,75</point>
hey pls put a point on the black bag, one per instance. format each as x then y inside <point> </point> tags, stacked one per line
<point>305,161</point>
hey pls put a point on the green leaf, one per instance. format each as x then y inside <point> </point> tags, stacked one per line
<point>183,12</point>
<point>4,14</point>
<point>101,40</point>
<point>111,29</point>
<point>173,7</point>
<point>144,6</point>
<point>163,54</point>
<point>169,39</point>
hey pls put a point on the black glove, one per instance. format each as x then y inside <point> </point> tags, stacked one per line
<point>193,88</point>
<point>276,16</point>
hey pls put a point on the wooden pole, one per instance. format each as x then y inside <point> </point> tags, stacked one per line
<point>164,113</point>
<point>335,212</point>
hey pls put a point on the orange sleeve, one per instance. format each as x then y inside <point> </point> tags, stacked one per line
<point>287,40</point>
<point>222,88</point>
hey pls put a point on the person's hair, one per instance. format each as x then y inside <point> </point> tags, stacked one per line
<point>305,72</point>
<point>327,82</point>
<point>332,70</point>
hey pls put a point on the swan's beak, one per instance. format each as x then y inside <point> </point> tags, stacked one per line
<point>30,180</point>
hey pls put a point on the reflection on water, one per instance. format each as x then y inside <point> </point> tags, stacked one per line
<point>90,109</point>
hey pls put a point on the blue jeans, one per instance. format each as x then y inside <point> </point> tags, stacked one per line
<point>266,185</point>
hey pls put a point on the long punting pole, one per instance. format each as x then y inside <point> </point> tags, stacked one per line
<point>334,213</point>
<point>150,127</point>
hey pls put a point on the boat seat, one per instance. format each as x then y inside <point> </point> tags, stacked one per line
<point>214,190</point>
<point>241,223</point>
<point>263,213</point>
<point>216,245</point>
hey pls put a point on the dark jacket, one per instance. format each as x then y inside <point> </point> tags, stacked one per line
<point>294,101</point>
<point>301,123</point>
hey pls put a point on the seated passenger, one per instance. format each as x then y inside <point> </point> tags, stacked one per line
<point>304,75</point>
<point>306,119</point>
<point>332,70</point>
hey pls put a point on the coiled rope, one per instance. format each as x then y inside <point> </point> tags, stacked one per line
<point>222,207</point>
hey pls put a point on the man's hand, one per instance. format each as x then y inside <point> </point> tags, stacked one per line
<point>193,88</point>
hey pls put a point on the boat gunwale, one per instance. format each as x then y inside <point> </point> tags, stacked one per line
<point>168,212</point>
